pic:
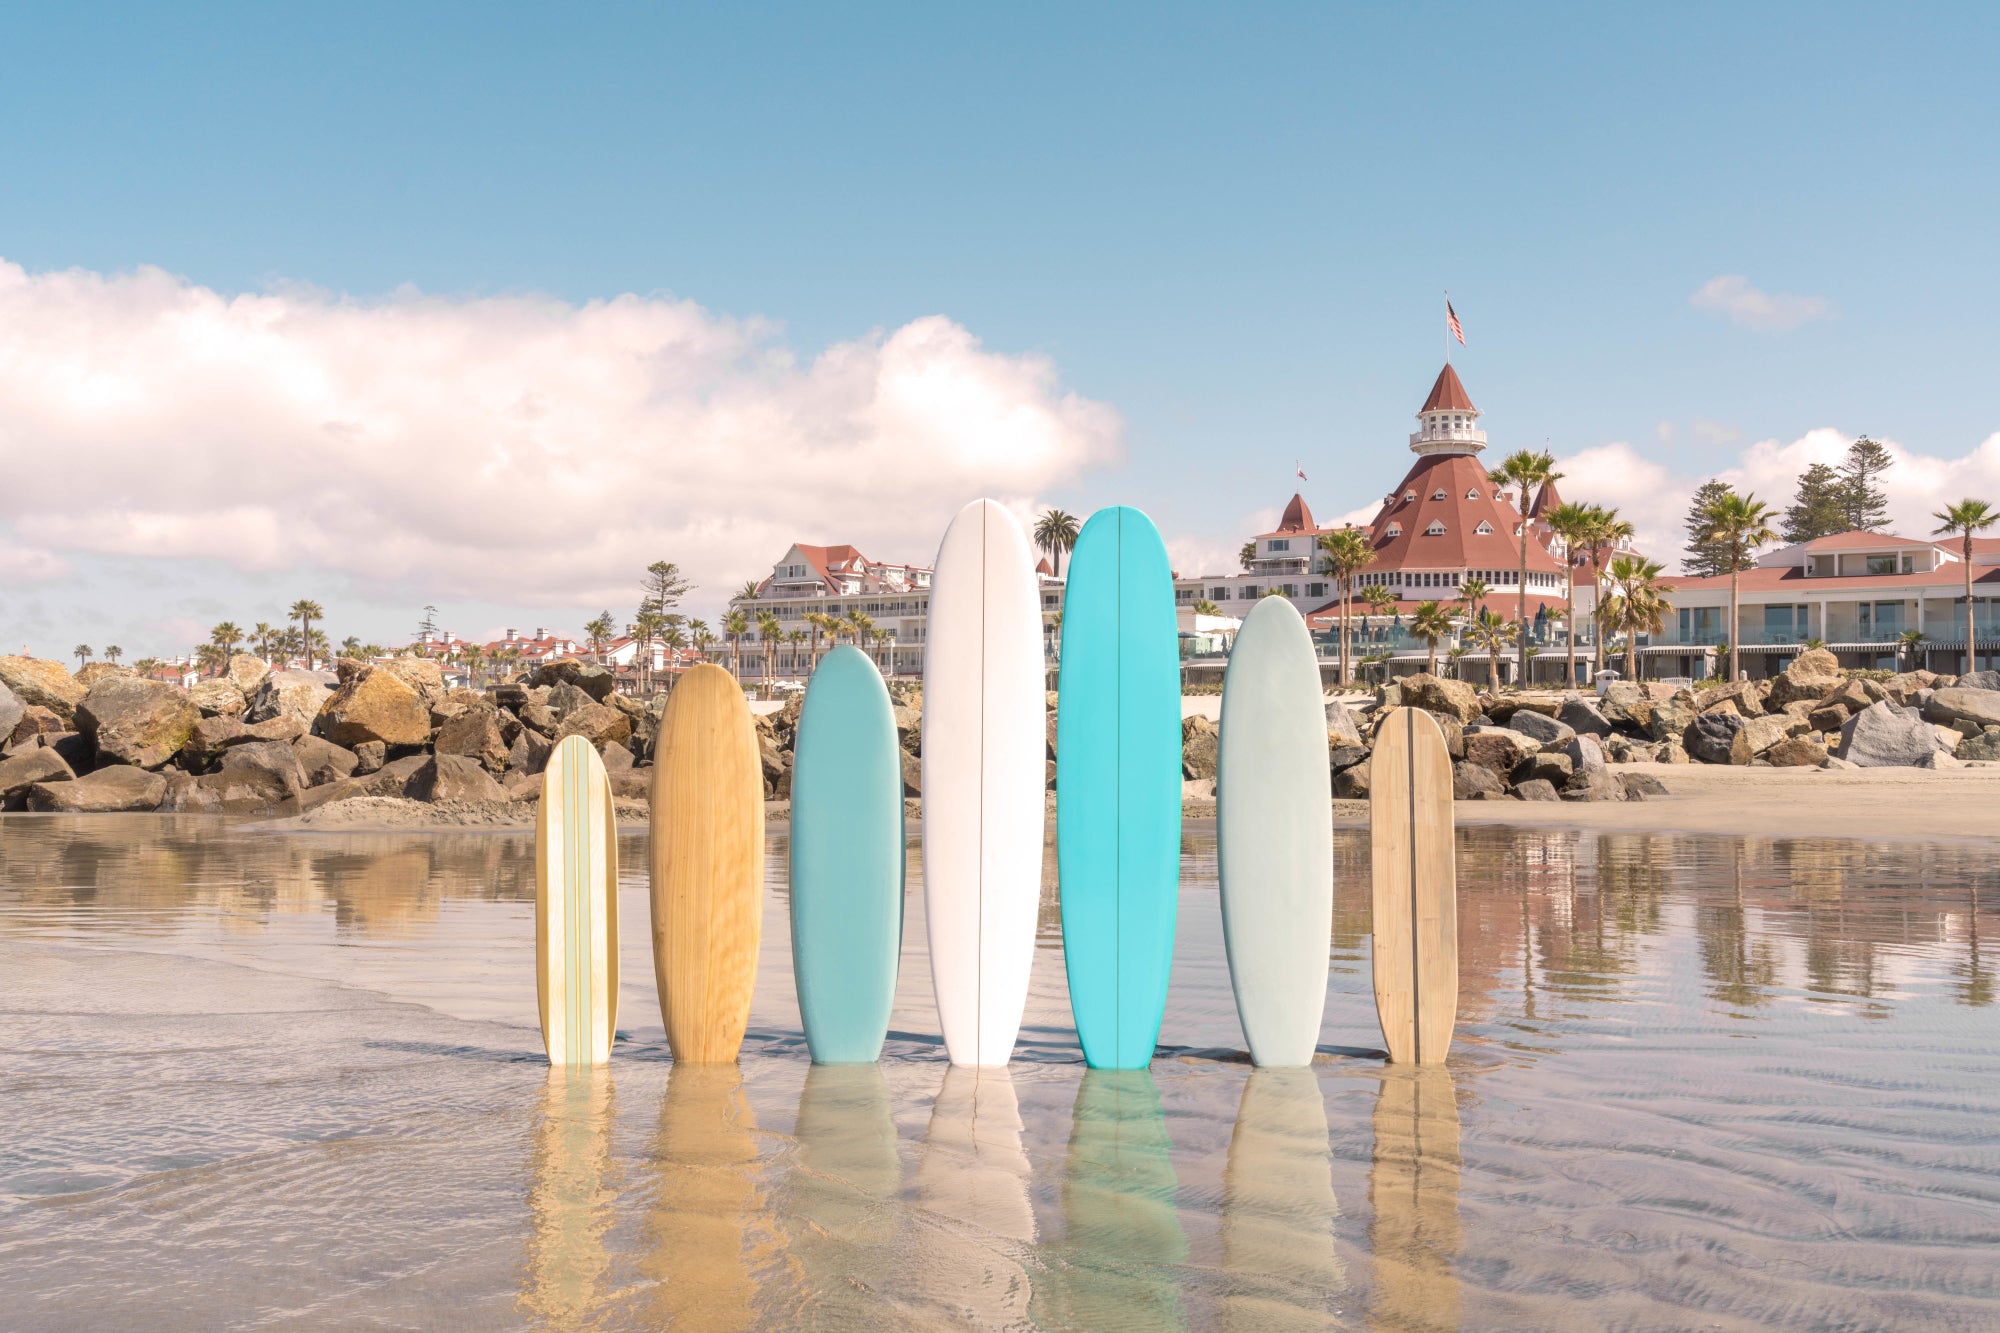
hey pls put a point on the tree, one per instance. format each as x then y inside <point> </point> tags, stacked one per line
<point>701,635</point>
<point>1706,559</point>
<point>1965,518</point>
<point>598,631</point>
<point>749,591</point>
<point>1247,555</point>
<point>1603,533</point>
<point>1526,471</point>
<point>472,653</point>
<point>771,632</point>
<point>795,637</point>
<point>882,638</point>
<point>1346,553</point>
<point>225,637</point>
<point>1432,624</point>
<point>646,627</point>
<point>1491,633</point>
<point>860,624</point>
<point>83,652</point>
<point>1204,607</point>
<point>351,645</point>
<point>112,652</point>
<point>1862,503</point>
<point>1379,598</point>
<point>147,666</point>
<point>735,624</point>
<point>1907,644</point>
<point>208,657</point>
<point>1055,532</point>
<point>305,611</point>
<point>261,638</point>
<point>1637,604</point>
<point>673,638</point>
<point>1742,523</point>
<point>662,587</point>
<point>1473,593</point>
<point>1820,507</point>
<point>1572,523</point>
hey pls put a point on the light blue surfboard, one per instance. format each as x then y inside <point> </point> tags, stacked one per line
<point>1118,785</point>
<point>847,859</point>
<point>1274,834</point>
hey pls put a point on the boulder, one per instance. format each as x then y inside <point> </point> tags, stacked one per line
<point>1958,703</point>
<point>540,717</point>
<point>617,758</point>
<point>1199,739</point>
<point>1985,746</point>
<point>209,738</point>
<point>1905,686</point>
<point>529,754</point>
<point>1585,755</point>
<point>118,788</point>
<point>1345,756</point>
<point>375,704</point>
<point>421,674</point>
<point>1446,698</point>
<point>1747,695</point>
<point>1857,694</point>
<point>1498,748</point>
<point>369,756</point>
<point>1977,680</point>
<point>75,748</point>
<point>453,777</point>
<point>1454,734</point>
<point>1758,735</point>
<point>1539,727</point>
<point>298,694</point>
<point>1711,737</point>
<point>256,775</point>
<point>187,794</point>
<point>393,778</point>
<point>1639,786</point>
<point>1340,727</point>
<point>140,722</point>
<point>1827,717</point>
<point>322,761</point>
<point>218,698</point>
<point>566,698</point>
<point>1583,718</point>
<point>285,727</point>
<point>600,724</point>
<point>1468,780</point>
<point>1593,784</point>
<point>1671,716</point>
<point>1548,767</point>
<point>1626,703</point>
<point>592,679</point>
<point>24,770</point>
<point>1797,752</point>
<point>36,722</point>
<point>913,774</point>
<point>1670,751</point>
<point>1537,790</point>
<point>246,673</point>
<point>36,680</point>
<point>90,673</point>
<point>1883,736</point>
<point>1351,784</point>
<point>12,710</point>
<point>477,735</point>
<point>1807,678</point>
<point>910,728</point>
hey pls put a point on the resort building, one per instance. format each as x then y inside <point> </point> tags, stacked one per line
<point>1874,599</point>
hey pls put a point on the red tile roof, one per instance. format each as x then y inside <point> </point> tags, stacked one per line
<point>1793,577</point>
<point>1297,517</point>
<point>1865,541</point>
<point>1461,545</point>
<point>1448,395</point>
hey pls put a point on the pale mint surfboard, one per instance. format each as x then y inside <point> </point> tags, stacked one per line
<point>1118,786</point>
<point>1274,834</point>
<point>846,859</point>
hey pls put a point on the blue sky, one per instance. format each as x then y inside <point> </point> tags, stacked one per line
<point>1230,229</point>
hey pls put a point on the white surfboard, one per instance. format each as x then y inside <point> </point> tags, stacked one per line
<point>984,746</point>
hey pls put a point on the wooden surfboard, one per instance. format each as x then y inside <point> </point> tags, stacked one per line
<point>846,859</point>
<point>984,738</point>
<point>708,865</point>
<point>576,907</point>
<point>1416,887</point>
<point>1118,786</point>
<point>1274,834</point>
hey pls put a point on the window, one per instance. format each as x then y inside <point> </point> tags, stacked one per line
<point>1218,594</point>
<point>1909,563</point>
<point>1409,496</point>
<point>1247,593</point>
<point>1279,544</point>
<point>1484,529</point>
<point>1180,595</point>
<point>1472,494</point>
<point>1438,494</point>
<point>1881,564</point>
<point>1291,590</point>
<point>1436,529</point>
<point>1395,529</point>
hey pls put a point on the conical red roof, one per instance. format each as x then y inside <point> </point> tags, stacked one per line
<point>1447,395</point>
<point>1297,517</point>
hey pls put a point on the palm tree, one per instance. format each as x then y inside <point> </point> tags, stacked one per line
<point>209,658</point>
<point>1346,553</point>
<point>1204,607</point>
<point>83,652</point>
<point>795,638</point>
<point>1528,472</point>
<point>860,624</point>
<point>1965,518</point>
<point>882,638</point>
<point>597,631</point>
<point>701,635</point>
<point>225,636</point>
<point>1432,624</point>
<point>351,645</point>
<point>748,592</point>
<point>1473,593</point>
<point>1743,523</point>
<point>1603,533</point>
<point>1055,532</point>
<point>1490,632</point>
<point>1637,604</point>
<point>673,638</point>
<point>646,626</point>
<point>1247,554</point>
<point>736,624</point>
<point>1572,523</point>
<point>819,622</point>
<point>1452,656</point>
<point>112,653</point>
<point>261,637</point>
<point>471,653</point>
<point>771,632</point>
<point>305,611</point>
<point>1908,642</point>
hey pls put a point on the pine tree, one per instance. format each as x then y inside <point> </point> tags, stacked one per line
<point>1819,509</point>
<point>1862,503</point>
<point>1707,559</point>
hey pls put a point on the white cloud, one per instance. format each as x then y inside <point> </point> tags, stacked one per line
<point>521,450</point>
<point>1750,307</point>
<point>29,564</point>
<point>1716,433</point>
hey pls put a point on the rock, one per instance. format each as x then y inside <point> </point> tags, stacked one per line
<point>421,674</point>
<point>1351,784</point>
<point>322,761</point>
<point>189,795</point>
<point>1447,698</point>
<point>1547,730</point>
<point>1345,756</point>
<point>1827,717</point>
<point>209,737</point>
<point>1883,736</point>
<point>1958,703</point>
<point>1905,686</point>
<point>1199,741</point>
<point>140,722</point>
<point>523,787</point>
<point>297,694</point>
<point>592,679</point>
<point>1548,766</point>
<point>597,723</point>
<point>1638,786</point>
<point>1388,695</point>
<point>1537,790</point>
<point>36,722</point>
<point>1807,678</point>
<point>1625,703</point>
<point>512,697</point>
<point>1724,706</point>
<point>75,748</point>
<point>910,728</point>
<point>218,698</point>
<point>1584,753</point>
<point>24,770</point>
<point>565,698</point>
<point>1594,784</point>
<point>1498,748</point>
<point>1583,718</point>
<point>1671,716</point>
<point>12,710</point>
<point>541,717</point>
<point>913,775</point>
<point>369,756</point>
<point>393,778</point>
<point>1948,738</point>
<point>256,775</point>
<point>529,753</point>
<point>375,704</point>
<point>1468,780</point>
<point>118,788</point>
<point>1747,695</point>
<point>1938,759</point>
<point>1340,727</point>
<point>1711,737</point>
<point>774,764</point>
<point>284,727</point>
<point>90,673</point>
<point>476,734</point>
<point>1454,735</point>
<point>1978,680</point>
<point>1856,695</point>
<point>1797,752</point>
<point>453,777</point>
<point>246,673</point>
<point>36,680</point>
<point>1984,746</point>
<point>1671,752</point>
<point>617,758</point>
<point>1758,735</point>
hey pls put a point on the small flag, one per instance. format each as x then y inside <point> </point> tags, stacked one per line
<point>1451,322</point>
<point>1300,470</point>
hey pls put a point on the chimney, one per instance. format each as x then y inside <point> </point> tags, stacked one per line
<point>541,632</point>
<point>511,634</point>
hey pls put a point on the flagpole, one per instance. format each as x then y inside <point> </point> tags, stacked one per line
<point>1447,326</point>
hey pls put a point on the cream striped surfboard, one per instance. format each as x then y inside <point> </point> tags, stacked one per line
<point>576,907</point>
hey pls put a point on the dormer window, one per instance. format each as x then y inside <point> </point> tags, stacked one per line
<point>1408,496</point>
<point>1438,494</point>
<point>1436,529</point>
<point>1484,529</point>
<point>1395,529</point>
<point>1472,494</point>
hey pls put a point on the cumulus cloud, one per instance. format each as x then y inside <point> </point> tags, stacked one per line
<point>1732,296</point>
<point>522,450</point>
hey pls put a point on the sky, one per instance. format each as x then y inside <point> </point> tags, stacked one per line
<point>489,307</point>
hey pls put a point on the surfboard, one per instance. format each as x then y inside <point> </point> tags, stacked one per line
<point>983,774</point>
<point>1118,786</point>
<point>846,859</point>
<point>1416,887</point>
<point>1274,834</point>
<point>576,907</point>
<point>708,865</point>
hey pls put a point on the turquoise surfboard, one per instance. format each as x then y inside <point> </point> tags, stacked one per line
<point>1274,834</point>
<point>847,859</point>
<point>1118,785</point>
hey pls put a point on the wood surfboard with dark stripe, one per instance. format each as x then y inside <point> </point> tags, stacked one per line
<point>1416,887</point>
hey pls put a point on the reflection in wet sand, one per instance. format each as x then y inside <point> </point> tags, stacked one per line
<point>571,1192</point>
<point>1278,1206</point>
<point>973,1180</point>
<point>1413,1188</point>
<point>1122,1236</point>
<point>839,1204</point>
<point>711,1230</point>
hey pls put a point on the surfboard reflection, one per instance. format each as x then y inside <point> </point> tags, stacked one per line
<point>1122,1236</point>
<point>973,1176</point>
<point>571,1190</point>
<point>840,1206</point>
<point>1413,1187</point>
<point>1278,1206</point>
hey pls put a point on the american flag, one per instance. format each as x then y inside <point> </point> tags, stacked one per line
<point>1300,470</point>
<point>1451,322</point>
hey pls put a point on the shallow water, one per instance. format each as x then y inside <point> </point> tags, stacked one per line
<point>294,1080</point>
